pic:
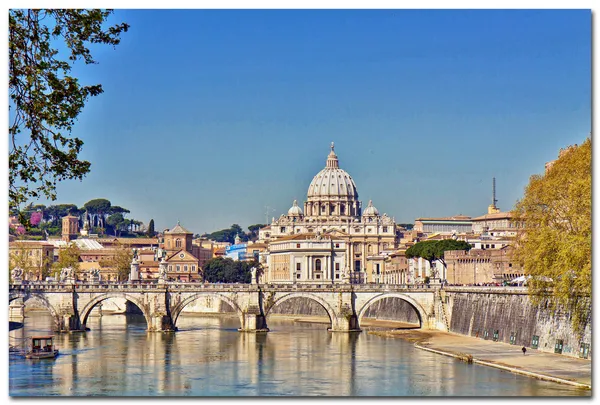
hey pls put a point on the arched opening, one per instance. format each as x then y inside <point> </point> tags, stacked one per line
<point>29,315</point>
<point>207,311</point>
<point>392,311</point>
<point>318,265</point>
<point>113,312</point>
<point>298,308</point>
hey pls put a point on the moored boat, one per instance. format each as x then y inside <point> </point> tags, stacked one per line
<point>42,347</point>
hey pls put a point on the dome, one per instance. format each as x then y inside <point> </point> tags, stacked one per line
<point>332,181</point>
<point>370,210</point>
<point>295,211</point>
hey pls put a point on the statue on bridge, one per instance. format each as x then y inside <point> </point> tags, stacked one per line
<point>253,280</point>
<point>94,275</point>
<point>17,275</point>
<point>162,271</point>
<point>67,275</point>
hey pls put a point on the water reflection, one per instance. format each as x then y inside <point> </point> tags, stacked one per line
<point>208,356</point>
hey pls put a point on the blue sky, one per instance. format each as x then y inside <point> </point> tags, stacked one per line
<point>209,116</point>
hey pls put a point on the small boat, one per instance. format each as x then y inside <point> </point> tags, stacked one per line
<point>42,347</point>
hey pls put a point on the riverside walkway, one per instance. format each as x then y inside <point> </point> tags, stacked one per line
<point>537,364</point>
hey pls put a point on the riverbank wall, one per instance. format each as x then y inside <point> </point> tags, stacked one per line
<point>509,316</point>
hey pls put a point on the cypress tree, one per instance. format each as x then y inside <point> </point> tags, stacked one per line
<point>151,228</point>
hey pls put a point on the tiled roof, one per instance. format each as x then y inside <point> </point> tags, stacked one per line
<point>178,229</point>
<point>453,218</point>
<point>497,215</point>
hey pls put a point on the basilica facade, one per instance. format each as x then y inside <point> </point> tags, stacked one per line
<point>333,239</point>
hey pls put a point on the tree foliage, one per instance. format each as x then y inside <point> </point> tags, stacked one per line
<point>228,235</point>
<point>45,99</point>
<point>33,267</point>
<point>555,243</point>
<point>151,231</point>
<point>226,270</point>
<point>119,261</point>
<point>432,250</point>
<point>67,257</point>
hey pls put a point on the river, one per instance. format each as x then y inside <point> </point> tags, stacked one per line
<point>209,357</point>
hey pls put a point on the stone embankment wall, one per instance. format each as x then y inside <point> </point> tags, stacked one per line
<point>392,309</point>
<point>513,314</point>
<point>299,306</point>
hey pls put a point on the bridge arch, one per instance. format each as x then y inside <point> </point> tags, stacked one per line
<point>87,309</point>
<point>418,308</point>
<point>40,298</point>
<point>178,308</point>
<point>284,297</point>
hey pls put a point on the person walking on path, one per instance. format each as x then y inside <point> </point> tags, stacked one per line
<point>524,350</point>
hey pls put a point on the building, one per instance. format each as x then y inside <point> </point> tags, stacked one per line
<point>481,266</point>
<point>396,269</point>
<point>70,228</point>
<point>495,224</point>
<point>237,251</point>
<point>306,258</point>
<point>35,258</point>
<point>444,225</point>
<point>332,209</point>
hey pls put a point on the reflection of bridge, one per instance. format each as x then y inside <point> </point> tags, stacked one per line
<point>71,304</point>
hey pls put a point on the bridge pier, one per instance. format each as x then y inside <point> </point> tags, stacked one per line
<point>160,322</point>
<point>254,320</point>
<point>345,323</point>
<point>16,310</point>
<point>68,323</point>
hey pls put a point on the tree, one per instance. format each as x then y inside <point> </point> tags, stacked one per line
<point>120,261</point>
<point>67,257</point>
<point>432,250</point>
<point>45,100</point>
<point>151,229</point>
<point>226,270</point>
<point>20,257</point>
<point>253,234</point>
<point>99,208</point>
<point>117,222</point>
<point>554,243</point>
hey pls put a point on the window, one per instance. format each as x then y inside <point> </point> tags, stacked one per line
<point>377,268</point>
<point>318,264</point>
<point>298,275</point>
<point>337,245</point>
<point>337,276</point>
<point>357,265</point>
<point>193,269</point>
<point>282,229</point>
<point>178,243</point>
<point>185,268</point>
<point>297,246</point>
<point>535,341</point>
<point>177,268</point>
<point>337,267</point>
<point>369,230</point>
<point>385,229</point>
<point>369,249</point>
<point>298,267</point>
<point>170,268</point>
<point>318,276</point>
<point>558,347</point>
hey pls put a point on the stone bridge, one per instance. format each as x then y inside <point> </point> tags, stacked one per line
<point>161,304</point>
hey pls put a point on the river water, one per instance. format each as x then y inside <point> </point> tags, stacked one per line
<point>209,357</point>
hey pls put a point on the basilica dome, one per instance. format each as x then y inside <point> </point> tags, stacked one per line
<point>332,181</point>
<point>295,211</point>
<point>370,210</point>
